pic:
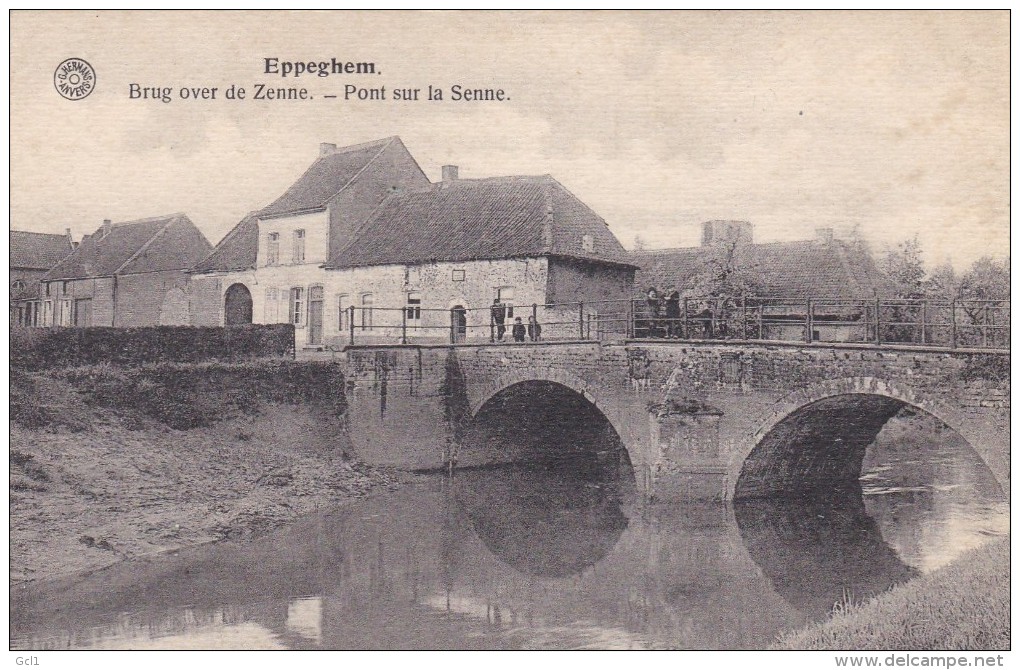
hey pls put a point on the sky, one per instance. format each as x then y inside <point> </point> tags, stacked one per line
<point>895,124</point>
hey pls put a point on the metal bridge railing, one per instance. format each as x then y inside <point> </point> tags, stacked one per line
<point>972,324</point>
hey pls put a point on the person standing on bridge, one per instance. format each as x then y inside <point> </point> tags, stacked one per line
<point>654,309</point>
<point>534,329</point>
<point>499,318</point>
<point>519,330</point>
<point>673,314</point>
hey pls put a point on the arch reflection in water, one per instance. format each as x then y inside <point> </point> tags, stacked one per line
<point>558,510</point>
<point>542,521</point>
<point>819,551</point>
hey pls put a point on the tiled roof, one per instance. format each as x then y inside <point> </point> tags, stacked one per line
<point>37,251</point>
<point>787,270</point>
<point>238,250</point>
<point>169,242</point>
<point>325,178</point>
<point>476,219</point>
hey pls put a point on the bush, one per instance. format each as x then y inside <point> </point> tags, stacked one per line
<point>184,396</point>
<point>37,349</point>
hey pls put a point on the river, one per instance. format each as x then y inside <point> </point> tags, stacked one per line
<point>546,556</point>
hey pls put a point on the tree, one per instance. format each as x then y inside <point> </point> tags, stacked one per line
<point>987,279</point>
<point>639,243</point>
<point>904,264</point>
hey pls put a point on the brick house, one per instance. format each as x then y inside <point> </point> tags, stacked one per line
<point>442,254</point>
<point>269,268</point>
<point>32,255</point>
<point>841,276</point>
<point>126,274</point>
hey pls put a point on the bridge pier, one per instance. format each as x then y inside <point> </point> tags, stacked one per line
<point>687,463</point>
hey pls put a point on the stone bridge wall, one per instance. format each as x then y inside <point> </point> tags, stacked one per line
<point>407,402</point>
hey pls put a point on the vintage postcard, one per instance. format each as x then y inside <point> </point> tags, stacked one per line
<point>540,330</point>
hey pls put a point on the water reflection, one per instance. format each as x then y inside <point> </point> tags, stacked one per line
<point>818,552</point>
<point>557,556</point>
<point>543,521</point>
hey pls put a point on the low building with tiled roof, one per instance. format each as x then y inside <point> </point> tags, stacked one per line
<point>132,273</point>
<point>364,228</point>
<point>836,274</point>
<point>267,268</point>
<point>32,255</point>
<point>825,267</point>
<point>447,252</point>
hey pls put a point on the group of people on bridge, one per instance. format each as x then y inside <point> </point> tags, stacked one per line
<point>500,312</point>
<point>669,316</point>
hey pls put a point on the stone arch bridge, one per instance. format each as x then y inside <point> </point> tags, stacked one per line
<point>701,420</point>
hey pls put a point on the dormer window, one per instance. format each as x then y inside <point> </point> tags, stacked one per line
<point>273,249</point>
<point>587,243</point>
<point>299,246</point>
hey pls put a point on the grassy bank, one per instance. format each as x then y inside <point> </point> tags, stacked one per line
<point>110,463</point>
<point>964,605</point>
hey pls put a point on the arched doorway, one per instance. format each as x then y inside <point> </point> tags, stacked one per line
<point>237,309</point>
<point>458,324</point>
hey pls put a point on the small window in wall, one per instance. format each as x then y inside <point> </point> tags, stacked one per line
<point>272,304</point>
<point>414,308</point>
<point>367,301</point>
<point>18,285</point>
<point>343,303</point>
<point>273,249</point>
<point>299,246</point>
<point>64,286</point>
<point>458,275</point>
<point>47,289</point>
<point>587,243</point>
<point>297,306</point>
<point>505,294</point>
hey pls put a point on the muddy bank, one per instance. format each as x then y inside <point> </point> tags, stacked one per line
<point>112,464</point>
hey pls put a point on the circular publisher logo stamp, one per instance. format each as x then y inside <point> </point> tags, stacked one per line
<point>74,79</point>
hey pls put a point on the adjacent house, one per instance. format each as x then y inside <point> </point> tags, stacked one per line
<point>840,277</point>
<point>364,228</point>
<point>126,274</point>
<point>270,267</point>
<point>31,256</point>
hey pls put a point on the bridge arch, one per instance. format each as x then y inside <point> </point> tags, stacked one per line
<point>851,412</point>
<point>481,394</point>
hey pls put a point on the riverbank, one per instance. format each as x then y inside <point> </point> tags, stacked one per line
<point>963,606</point>
<point>99,475</point>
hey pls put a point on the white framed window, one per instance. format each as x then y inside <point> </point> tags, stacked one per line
<point>299,246</point>
<point>272,311</point>
<point>505,294</point>
<point>297,306</point>
<point>343,305</point>
<point>367,302</point>
<point>414,308</point>
<point>273,249</point>
<point>459,275</point>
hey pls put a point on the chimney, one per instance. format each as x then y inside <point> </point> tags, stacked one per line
<point>70,240</point>
<point>325,149</point>
<point>107,225</point>
<point>824,235</point>
<point>449,173</point>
